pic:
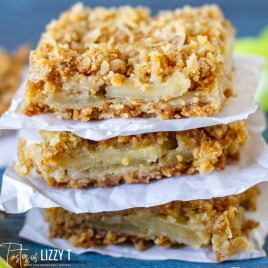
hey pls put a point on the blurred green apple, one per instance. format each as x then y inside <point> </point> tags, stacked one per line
<point>4,264</point>
<point>257,46</point>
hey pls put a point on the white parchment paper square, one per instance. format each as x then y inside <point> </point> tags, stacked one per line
<point>8,147</point>
<point>36,229</point>
<point>21,194</point>
<point>247,76</point>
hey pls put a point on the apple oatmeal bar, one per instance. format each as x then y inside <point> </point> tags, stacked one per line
<point>11,66</point>
<point>219,223</point>
<point>66,160</point>
<point>122,62</point>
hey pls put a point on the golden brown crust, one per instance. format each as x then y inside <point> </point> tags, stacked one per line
<point>11,66</point>
<point>198,150</point>
<point>221,216</point>
<point>86,50</point>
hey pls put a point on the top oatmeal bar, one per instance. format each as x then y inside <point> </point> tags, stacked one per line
<point>122,62</point>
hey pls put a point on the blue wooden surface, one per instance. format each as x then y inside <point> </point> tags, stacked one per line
<point>23,21</point>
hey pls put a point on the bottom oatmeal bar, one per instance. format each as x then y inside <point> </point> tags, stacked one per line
<point>218,222</point>
<point>67,160</point>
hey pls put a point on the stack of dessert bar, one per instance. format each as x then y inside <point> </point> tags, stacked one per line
<point>94,64</point>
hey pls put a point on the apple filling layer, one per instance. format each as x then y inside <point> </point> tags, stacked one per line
<point>84,159</point>
<point>65,159</point>
<point>68,98</point>
<point>191,232</point>
<point>218,222</point>
<point>147,96</point>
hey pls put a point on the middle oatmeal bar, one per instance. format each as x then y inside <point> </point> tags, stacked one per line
<point>67,160</point>
<point>122,62</point>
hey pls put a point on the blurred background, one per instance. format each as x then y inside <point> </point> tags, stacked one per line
<point>23,21</point>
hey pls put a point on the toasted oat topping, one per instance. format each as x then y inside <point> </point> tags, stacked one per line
<point>116,43</point>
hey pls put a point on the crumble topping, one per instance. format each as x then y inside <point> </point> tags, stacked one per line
<point>112,44</point>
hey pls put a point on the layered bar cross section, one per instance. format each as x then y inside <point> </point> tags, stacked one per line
<point>123,62</point>
<point>67,160</point>
<point>219,223</point>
